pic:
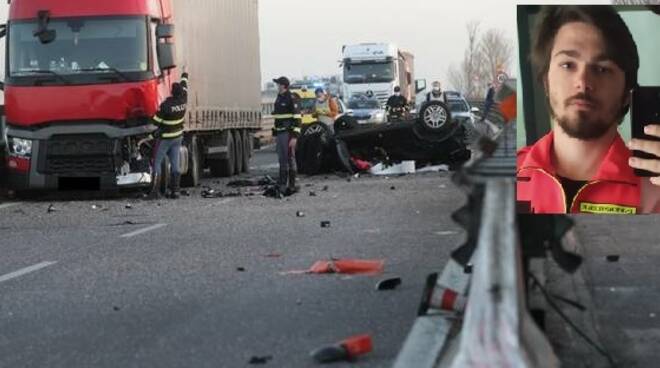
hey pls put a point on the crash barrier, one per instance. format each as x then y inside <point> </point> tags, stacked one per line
<point>497,330</point>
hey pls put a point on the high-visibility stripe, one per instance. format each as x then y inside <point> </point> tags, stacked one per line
<point>172,135</point>
<point>158,119</point>
<point>297,116</point>
<point>296,129</point>
<point>171,122</point>
<point>283,116</point>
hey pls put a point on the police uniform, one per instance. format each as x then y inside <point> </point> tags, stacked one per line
<point>287,118</point>
<point>170,122</point>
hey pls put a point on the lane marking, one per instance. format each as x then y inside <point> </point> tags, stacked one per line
<point>26,270</point>
<point>142,231</point>
<point>7,205</point>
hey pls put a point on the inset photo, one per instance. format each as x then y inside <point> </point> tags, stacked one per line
<point>588,128</point>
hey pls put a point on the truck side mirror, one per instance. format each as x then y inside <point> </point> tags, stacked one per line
<point>420,85</point>
<point>166,56</point>
<point>165,30</point>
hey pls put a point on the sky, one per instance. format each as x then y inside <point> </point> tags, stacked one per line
<point>304,37</point>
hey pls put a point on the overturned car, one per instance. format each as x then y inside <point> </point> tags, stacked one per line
<point>431,137</point>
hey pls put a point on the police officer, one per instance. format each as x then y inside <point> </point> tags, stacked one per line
<point>397,103</point>
<point>287,129</point>
<point>169,119</point>
<point>436,93</point>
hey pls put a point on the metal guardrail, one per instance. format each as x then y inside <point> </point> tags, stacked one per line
<point>497,330</point>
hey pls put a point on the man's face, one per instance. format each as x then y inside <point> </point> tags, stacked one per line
<point>281,88</point>
<point>586,90</point>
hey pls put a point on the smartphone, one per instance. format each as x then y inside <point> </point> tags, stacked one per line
<point>644,110</point>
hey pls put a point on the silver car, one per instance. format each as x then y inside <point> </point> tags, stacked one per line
<point>367,110</point>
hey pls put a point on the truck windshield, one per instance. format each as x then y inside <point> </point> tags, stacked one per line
<point>81,46</point>
<point>369,72</point>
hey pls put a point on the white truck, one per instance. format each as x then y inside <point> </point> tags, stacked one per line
<point>374,69</point>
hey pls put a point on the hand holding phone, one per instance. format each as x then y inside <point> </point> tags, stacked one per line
<point>645,124</point>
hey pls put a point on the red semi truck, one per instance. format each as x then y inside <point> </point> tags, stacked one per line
<point>84,78</point>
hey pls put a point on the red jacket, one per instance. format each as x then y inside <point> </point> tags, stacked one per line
<point>614,189</point>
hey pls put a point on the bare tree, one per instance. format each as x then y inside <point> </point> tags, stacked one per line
<point>485,56</point>
<point>462,77</point>
<point>496,50</point>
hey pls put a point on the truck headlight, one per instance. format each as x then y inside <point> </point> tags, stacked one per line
<point>20,147</point>
<point>379,116</point>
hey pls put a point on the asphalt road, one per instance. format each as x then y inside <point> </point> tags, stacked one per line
<point>619,284</point>
<point>80,287</point>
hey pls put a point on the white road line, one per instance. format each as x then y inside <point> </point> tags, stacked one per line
<point>25,270</point>
<point>142,231</point>
<point>7,205</point>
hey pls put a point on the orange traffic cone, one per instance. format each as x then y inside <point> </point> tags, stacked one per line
<point>347,349</point>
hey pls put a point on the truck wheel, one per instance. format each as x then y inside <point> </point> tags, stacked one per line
<point>224,167</point>
<point>247,150</point>
<point>191,179</point>
<point>240,151</point>
<point>434,117</point>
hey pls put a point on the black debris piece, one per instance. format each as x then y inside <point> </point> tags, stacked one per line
<point>325,224</point>
<point>185,193</point>
<point>240,269</point>
<point>325,188</point>
<point>116,308</point>
<point>392,187</point>
<point>300,214</point>
<point>51,208</point>
<point>613,258</point>
<point>388,284</point>
<point>467,269</point>
<point>212,193</point>
<point>312,194</point>
<point>128,206</point>
<point>328,354</point>
<point>260,359</point>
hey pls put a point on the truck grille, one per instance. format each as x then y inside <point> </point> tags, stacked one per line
<point>80,154</point>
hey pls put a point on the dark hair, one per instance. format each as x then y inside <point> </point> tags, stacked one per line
<point>397,89</point>
<point>619,43</point>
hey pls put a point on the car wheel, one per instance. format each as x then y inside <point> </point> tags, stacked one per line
<point>434,117</point>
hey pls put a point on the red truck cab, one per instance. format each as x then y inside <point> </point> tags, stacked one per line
<point>83,79</point>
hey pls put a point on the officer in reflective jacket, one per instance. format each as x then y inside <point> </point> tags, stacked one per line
<point>169,119</point>
<point>287,129</point>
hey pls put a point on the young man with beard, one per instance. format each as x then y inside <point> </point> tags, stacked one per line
<point>587,61</point>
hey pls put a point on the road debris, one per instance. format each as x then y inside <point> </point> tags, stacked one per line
<point>347,349</point>
<point>212,193</point>
<point>116,308</point>
<point>613,258</point>
<point>325,224</point>
<point>260,359</point>
<point>325,188</point>
<point>300,214</point>
<point>128,206</point>
<point>344,266</point>
<point>51,209</point>
<point>273,255</point>
<point>312,194</point>
<point>388,284</point>
<point>240,269</point>
<point>404,167</point>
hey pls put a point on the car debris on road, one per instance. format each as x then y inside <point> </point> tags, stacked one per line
<point>347,349</point>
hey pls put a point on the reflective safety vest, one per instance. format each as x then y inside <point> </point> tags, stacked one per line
<point>286,114</point>
<point>170,117</point>
<point>323,111</point>
<point>613,190</point>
